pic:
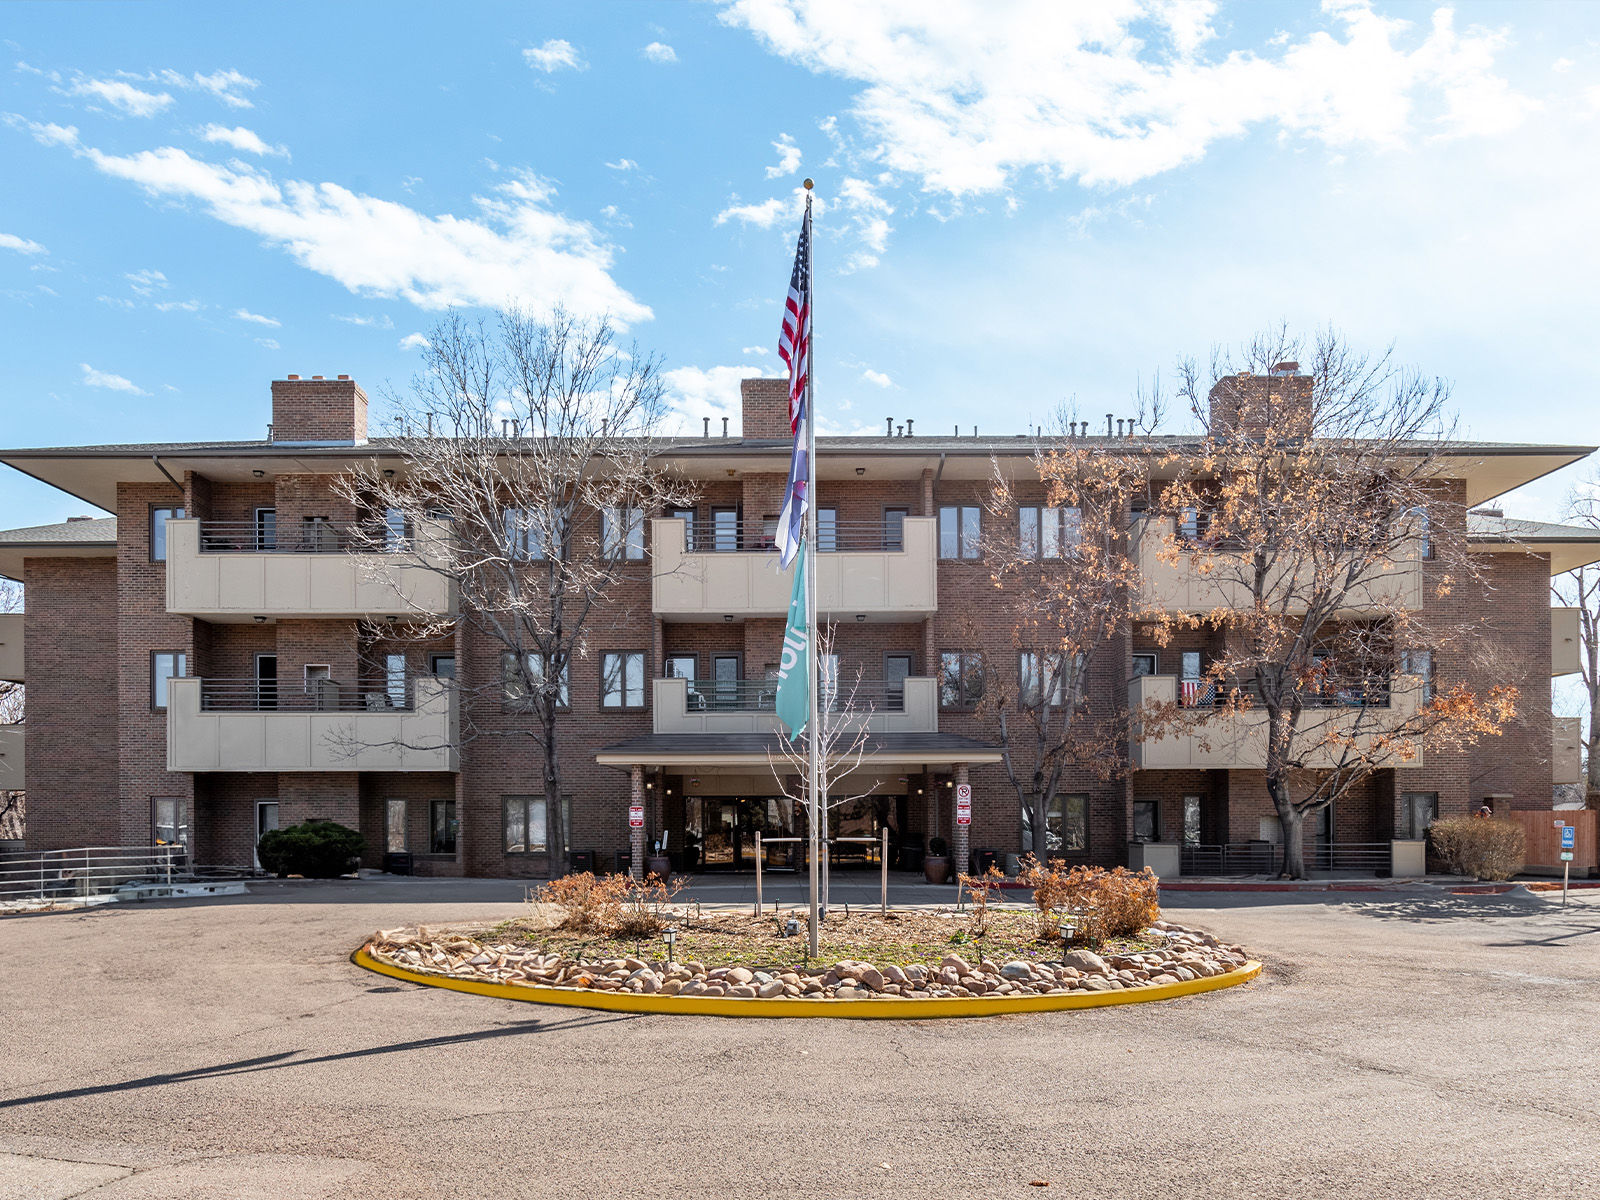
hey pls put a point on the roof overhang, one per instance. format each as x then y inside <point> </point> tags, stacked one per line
<point>746,752</point>
<point>1566,553</point>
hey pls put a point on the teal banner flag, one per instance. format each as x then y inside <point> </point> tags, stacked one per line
<point>794,679</point>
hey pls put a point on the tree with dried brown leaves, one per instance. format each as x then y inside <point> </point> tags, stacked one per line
<point>1313,534</point>
<point>533,447</point>
<point>1581,589</point>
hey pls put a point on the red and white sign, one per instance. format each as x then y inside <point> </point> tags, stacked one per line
<point>635,816</point>
<point>963,804</point>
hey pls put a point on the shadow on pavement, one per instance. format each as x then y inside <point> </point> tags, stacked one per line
<point>275,1062</point>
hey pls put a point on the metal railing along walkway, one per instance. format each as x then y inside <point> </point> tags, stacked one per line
<point>98,870</point>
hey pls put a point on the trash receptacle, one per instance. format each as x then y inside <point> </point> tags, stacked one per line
<point>624,862</point>
<point>397,863</point>
<point>582,860</point>
<point>987,859</point>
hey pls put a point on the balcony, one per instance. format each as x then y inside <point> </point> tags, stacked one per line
<point>869,570</point>
<point>239,725</point>
<point>1564,643</point>
<point>11,648</point>
<point>1183,586</point>
<point>747,706</point>
<point>1238,740</point>
<point>1566,750</point>
<point>234,571</point>
<point>13,758</point>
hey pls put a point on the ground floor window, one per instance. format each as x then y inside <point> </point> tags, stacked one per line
<point>1418,811</point>
<point>169,821</point>
<point>527,824</point>
<point>1146,823</point>
<point>442,827</point>
<point>1066,826</point>
<point>1191,820</point>
<point>394,826</point>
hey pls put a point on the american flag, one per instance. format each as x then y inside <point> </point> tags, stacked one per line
<point>794,347</point>
<point>1198,692</point>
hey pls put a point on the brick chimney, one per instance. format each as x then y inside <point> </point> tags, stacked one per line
<point>766,408</point>
<point>1252,404</point>
<point>319,411</point>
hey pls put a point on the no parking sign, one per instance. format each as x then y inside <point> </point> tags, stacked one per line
<point>635,816</point>
<point>963,804</point>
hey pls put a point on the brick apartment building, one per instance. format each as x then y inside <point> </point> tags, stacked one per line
<point>210,662</point>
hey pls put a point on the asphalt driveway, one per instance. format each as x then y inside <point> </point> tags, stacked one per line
<point>1400,1044</point>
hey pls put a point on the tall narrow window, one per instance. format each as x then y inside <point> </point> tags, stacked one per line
<point>266,529</point>
<point>827,529</point>
<point>158,531</point>
<point>394,679</point>
<point>1048,532</point>
<point>1424,531</point>
<point>622,680</point>
<point>1146,821</point>
<point>169,821</point>
<point>1420,664</point>
<point>527,824</point>
<point>686,515</point>
<point>1418,811</point>
<point>622,532</point>
<point>394,826</point>
<point>1191,820</point>
<point>960,679</point>
<point>724,529</point>
<point>1040,679</point>
<point>530,535</point>
<point>959,529</point>
<point>894,528</point>
<point>896,669</point>
<point>442,827</point>
<point>394,531</point>
<point>165,665</point>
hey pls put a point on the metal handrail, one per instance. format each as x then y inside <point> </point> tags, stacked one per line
<point>95,870</point>
<point>320,537</point>
<point>761,695</point>
<point>1266,858</point>
<point>752,536</point>
<point>323,695</point>
<point>1355,694</point>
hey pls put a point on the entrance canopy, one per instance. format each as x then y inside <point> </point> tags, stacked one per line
<point>744,751</point>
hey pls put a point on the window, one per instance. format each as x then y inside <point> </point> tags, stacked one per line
<point>959,527</point>
<point>1066,827</point>
<point>528,533</point>
<point>894,528</point>
<point>896,668</point>
<point>827,529</point>
<point>158,531</point>
<point>1420,664</point>
<point>622,532</point>
<point>394,679</point>
<point>622,680</point>
<point>1424,528</point>
<point>317,535</point>
<point>442,827</point>
<point>1145,664</point>
<point>442,666</point>
<point>527,824</point>
<point>1048,532</point>
<point>266,529</point>
<point>682,666</point>
<point>394,531</point>
<point>686,515</point>
<point>169,821</point>
<point>1418,810</point>
<point>724,529</point>
<point>1146,821</point>
<point>516,689</point>
<point>394,826</point>
<point>1191,820</point>
<point>1189,524</point>
<point>165,665</point>
<point>1040,679</point>
<point>960,679</point>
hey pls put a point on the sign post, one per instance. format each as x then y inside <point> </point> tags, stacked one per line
<point>1569,843</point>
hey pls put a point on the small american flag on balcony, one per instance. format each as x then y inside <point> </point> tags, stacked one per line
<point>1197,692</point>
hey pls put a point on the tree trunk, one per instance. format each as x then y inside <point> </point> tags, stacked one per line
<point>1039,806</point>
<point>1292,824</point>
<point>1592,766</point>
<point>555,813</point>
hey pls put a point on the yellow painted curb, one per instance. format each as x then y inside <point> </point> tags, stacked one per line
<point>897,1007</point>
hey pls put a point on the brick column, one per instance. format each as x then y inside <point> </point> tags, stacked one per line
<point>961,836</point>
<point>636,836</point>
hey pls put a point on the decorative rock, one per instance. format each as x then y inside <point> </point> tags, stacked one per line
<point>1016,969</point>
<point>769,989</point>
<point>894,974</point>
<point>744,991</point>
<point>1086,961</point>
<point>740,975</point>
<point>872,978</point>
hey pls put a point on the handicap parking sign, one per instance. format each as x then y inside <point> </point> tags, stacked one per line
<point>1569,837</point>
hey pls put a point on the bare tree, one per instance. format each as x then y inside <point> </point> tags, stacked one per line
<point>1064,574</point>
<point>1581,589</point>
<point>13,710</point>
<point>537,442</point>
<point>1307,523</point>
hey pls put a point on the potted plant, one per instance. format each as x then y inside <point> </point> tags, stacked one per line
<point>936,866</point>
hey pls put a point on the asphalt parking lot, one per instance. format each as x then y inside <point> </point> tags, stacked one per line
<point>1410,1044</point>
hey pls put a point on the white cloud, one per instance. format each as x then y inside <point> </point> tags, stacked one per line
<point>556,54</point>
<point>877,378</point>
<point>179,306</point>
<point>754,351</point>
<point>146,282</point>
<point>378,322</point>
<point>413,341</point>
<point>224,85</point>
<point>244,314</point>
<point>10,241</point>
<point>660,52</point>
<point>623,164</point>
<point>775,211</point>
<point>517,249</point>
<point>244,139</point>
<point>615,216</point>
<point>124,97</point>
<point>268,343</point>
<point>1562,65</point>
<point>966,97</point>
<point>104,379</point>
<point>788,157</point>
<point>694,393</point>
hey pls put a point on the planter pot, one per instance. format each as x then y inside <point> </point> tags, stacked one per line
<point>658,864</point>
<point>936,868</point>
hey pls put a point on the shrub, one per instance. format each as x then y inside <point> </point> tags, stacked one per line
<point>1103,904</point>
<point>938,847</point>
<point>315,849</point>
<point>981,886</point>
<point>1481,847</point>
<point>611,905</point>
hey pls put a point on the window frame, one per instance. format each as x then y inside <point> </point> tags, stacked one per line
<point>965,550</point>
<point>526,803</point>
<point>1048,541</point>
<point>1407,805</point>
<point>629,547</point>
<point>519,544</point>
<point>1155,663</point>
<point>894,534</point>
<point>968,702</point>
<point>513,703</point>
<point>452,819</point>
<point>1154,807</point>
<point>390,828</point>
<point>1408,661</point>
<point>180,661</point>
<point>1042,660</point>
<point>828,538</point>
<point>433,665</point>
<point>175,512</point>
<point>182,821</point>
<point>644,681</point>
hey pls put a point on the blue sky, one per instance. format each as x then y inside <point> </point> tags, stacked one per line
<point>1021,202</point>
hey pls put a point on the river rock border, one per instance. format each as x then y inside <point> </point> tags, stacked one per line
<point>1186,962</point>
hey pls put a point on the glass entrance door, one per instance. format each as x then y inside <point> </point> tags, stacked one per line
<point>720,833</point>
<point>266,821</point>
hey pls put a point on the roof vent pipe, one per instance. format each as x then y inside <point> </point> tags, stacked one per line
<point>908,426</point>
<point>1108,424</point>
<point>706,431</point>
<point>902,432</point>
<point>724,426</point>
<point>888,427</point>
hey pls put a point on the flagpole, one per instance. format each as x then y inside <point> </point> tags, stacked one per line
<point>808,551</point>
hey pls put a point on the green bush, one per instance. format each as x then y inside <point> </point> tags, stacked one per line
<point>1481,847</point>
<point>315,849</point>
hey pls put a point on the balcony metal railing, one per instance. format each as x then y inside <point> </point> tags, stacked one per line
<point>761,695</point>
<point>312,537</point>
<point>1266,858</point>
<point>323,695</point>
<point>97,870</point>
<point>712,537</point>
<point>1367,693</point>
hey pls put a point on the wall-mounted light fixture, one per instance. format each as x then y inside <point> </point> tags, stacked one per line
<point>861,616</point>
<point>258,473</point>
<point>388,472</point>
<point>861,470</point>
